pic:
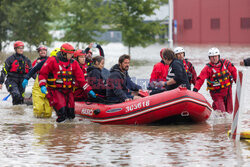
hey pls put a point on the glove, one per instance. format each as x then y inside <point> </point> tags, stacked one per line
<point>25,83</point>
<point>44,90</point>
<point>92,94</point>
<point>195,90</point>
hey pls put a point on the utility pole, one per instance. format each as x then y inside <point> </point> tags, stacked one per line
<point>170,23</point>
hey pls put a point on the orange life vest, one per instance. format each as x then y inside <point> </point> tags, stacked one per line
<point>62,78</point>
<point>220,78</point>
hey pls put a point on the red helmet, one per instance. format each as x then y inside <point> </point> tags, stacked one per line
<point>67,48</point>
<point>18,43</point>
<point>161,52</point>
<point>41,47</point>
<point>90,52</point>
<point>79,52</point>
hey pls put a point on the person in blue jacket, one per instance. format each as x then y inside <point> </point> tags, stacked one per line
<point>120,87</point>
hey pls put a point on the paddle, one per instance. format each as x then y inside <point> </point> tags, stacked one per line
<point>6,98</point>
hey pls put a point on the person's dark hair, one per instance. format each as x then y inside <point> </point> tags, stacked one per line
<point>168,54</point>
<point>97,59</point>
<point>122,58</point>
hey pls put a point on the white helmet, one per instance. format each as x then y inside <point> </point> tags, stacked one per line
<point>179,50</point>
<point>213,52</point>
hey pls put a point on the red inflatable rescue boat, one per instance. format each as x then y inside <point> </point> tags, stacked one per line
<point>160,108</point>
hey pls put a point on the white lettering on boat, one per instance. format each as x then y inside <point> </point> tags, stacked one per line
<point>86,111</point>
<point>137,106</point>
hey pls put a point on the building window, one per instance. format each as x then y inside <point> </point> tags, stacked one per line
<point>245,23</point>
<point>187,23</point>
<point>215,23</point>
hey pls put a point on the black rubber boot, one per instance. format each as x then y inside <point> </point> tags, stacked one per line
<point>61,114</point>
<point>16,99</point>
<point>71,113</point>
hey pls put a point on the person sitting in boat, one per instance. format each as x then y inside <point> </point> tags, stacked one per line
<point>177,75</point>
<point>245,62</point>
<point>220,74</point>
<point>41,107</point>
<point>95,78</point>
<point>159,74</point>
<point>120,87</point>
<point>59,74</point>
<point>191,73</point>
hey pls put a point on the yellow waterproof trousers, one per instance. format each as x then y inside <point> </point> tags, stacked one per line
<point>41,107</point>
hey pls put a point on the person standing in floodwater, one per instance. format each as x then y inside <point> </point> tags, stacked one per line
<point>220,74</point>
<point>15,68</point>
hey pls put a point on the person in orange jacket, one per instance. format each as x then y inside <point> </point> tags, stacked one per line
<point>59,74</point>
<point>159,73</point>
<point>191,73</point>
<point>220,74</point>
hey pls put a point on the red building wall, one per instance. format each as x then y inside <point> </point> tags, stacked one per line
<point>238,11</point>
<point>212,21</point>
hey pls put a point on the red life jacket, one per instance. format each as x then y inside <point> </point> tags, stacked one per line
<point>220,78</point>
<point>84,70</point>
<point>62,78</point>
<point>34,63</point>
<point>187,66</point>
<point>19,66</point>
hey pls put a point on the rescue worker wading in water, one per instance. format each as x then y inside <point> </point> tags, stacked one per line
<point>41,106</point>
<point>220,74</point>
<point>59,73</point>
<point>15,68</point>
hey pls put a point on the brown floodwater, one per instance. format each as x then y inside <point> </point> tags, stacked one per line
<point>28,141</point>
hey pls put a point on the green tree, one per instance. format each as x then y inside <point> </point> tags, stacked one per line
<point>3,21</point>
<point>3,28</point>
<point>128,17</point>
<point>28,21</point>
<point>83,20</point>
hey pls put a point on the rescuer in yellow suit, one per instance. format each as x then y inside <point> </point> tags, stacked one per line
<point>41,106</point>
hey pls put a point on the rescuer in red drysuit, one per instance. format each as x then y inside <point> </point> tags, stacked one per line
<point>60,73</point>
<point>220,74</point>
